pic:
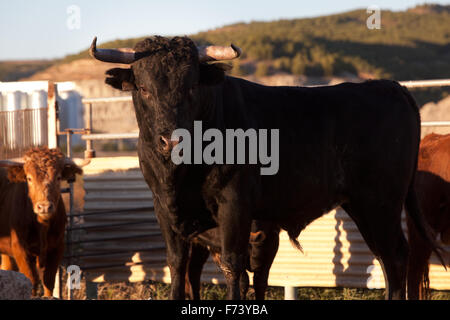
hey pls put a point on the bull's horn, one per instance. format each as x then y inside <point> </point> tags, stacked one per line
<point>215,53</point>
<point>12,163</point>
<point>77,161</point>
<point>122,55</point>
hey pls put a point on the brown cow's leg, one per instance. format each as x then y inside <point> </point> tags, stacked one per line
<point>380,227</point>
<point>7,263</point>
<point>199,255</point>
<point>25,262</point>
<point>49,270</point>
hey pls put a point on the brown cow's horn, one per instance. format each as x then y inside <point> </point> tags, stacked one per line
<point>215,53</point>
<point>12,163</point>
<point>78,162</point>
<point>122,55</point>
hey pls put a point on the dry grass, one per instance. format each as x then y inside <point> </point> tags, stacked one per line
<point>160,291</point>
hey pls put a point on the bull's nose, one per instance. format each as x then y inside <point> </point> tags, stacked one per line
<point>44,207</point>
<point>167,144</point>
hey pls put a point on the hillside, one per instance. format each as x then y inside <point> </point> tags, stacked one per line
<point>79,69</point>
<point>414,44</point>
<point>409,45</point>
<point>15,70</point>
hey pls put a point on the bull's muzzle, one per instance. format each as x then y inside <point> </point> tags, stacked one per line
<point>167,144</point>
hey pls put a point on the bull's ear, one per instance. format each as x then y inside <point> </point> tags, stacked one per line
<point>122,79</point>
<point>16,174</point>
<point>69,172</point>
<point>214,73</point>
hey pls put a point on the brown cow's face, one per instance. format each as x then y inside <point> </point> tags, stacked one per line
<point>43,171</point>
<point>44,186</point>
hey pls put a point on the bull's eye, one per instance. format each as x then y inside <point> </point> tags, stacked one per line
<point>29,179</point>
<point>58,178</point>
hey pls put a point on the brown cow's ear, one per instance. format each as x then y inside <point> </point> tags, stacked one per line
<point>69,172</point>
<point>16,174</point>
<point>214,73</point>
<point>122,79</point>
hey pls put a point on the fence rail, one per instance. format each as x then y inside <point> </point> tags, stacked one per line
<point>426,83</point>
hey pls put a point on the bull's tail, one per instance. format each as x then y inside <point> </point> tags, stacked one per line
<point>426,284</point>
<point>293,235</point>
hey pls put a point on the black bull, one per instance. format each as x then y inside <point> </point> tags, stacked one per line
<point>350,145</point>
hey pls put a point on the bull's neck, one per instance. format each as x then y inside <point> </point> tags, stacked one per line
<point>211,106</point>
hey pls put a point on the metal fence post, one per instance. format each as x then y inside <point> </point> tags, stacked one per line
<point>91,290</point>
<point>57,287</point>
<point>89,152</point>
<point>290,293</point>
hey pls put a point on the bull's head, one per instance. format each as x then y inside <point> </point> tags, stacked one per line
<point>43,169</point>
<point>169,80</point>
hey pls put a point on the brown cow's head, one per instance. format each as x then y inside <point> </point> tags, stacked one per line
<point>168,79</point>
<point>42,169</point>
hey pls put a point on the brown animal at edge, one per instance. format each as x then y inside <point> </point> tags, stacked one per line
<point>32,214</point>
<point>433,191</point>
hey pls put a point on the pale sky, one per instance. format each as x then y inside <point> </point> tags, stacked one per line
<point>47,29</point>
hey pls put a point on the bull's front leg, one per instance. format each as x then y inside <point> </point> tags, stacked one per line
<point>177,250</point>
<point>234,222</point>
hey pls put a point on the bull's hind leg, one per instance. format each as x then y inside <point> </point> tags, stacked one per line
<point>198,256</point>
<point>380,227</point>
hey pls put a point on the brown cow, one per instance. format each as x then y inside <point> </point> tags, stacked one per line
<point>32,214</point>
<point>433,190</point>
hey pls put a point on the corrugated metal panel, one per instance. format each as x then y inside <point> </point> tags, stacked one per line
<point>334,252</point>
<point>21,130</point>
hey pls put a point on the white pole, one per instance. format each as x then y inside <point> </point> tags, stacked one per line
<point>51,115</point>
<point>290,293</point>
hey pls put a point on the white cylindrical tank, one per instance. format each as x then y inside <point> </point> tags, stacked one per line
<point>38,100</point>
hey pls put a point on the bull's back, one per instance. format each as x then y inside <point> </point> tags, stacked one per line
<point>337,139</point>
